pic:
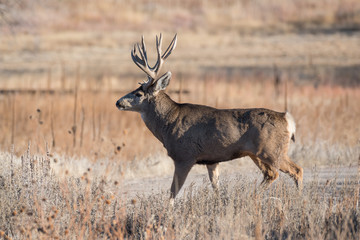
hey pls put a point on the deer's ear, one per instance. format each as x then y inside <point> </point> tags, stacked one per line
<point>161,83</point>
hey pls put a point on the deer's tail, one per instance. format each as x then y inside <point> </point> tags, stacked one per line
<point>291,126</point>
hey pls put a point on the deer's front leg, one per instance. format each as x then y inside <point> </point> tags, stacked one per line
<point>213,170</point>
<point>180,174</point>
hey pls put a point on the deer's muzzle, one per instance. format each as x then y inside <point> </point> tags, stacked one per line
<point>120,105</point>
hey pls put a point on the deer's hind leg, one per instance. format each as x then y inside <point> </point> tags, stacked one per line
<point>293,170</point>
<point>270,173</point>
<point>213,170</point>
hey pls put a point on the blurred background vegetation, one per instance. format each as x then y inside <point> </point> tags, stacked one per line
<point>242,16</point>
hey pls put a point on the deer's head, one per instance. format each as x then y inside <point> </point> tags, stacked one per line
<point>138,99</point>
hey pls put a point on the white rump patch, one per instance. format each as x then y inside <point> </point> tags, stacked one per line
<point>290,124</point>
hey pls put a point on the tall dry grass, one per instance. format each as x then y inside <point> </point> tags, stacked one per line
<point>36,204</point>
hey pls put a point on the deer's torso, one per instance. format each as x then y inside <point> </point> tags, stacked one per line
<point>207,135</point>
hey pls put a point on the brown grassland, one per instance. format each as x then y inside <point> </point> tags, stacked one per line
<point>70,161</point>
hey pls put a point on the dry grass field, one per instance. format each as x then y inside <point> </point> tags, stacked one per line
<point>73,167</point>
<point>36,204</point>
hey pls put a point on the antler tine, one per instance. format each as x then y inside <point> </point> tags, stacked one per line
<point>138,61</point>
<point>144,49</point>
<point>143,58</point>
<point>170,48</point>
<point>158,45</point>
<point>159,61</point>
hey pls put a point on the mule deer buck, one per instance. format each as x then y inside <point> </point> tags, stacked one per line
<point>195,134</point>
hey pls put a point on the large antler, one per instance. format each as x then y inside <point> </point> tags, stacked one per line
<point>142,62</point>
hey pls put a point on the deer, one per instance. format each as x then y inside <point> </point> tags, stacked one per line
<point>198,134</point>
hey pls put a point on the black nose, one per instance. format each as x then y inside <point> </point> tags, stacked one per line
<point>118,103</point>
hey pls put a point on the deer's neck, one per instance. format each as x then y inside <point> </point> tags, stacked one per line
<point>160,115</point>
